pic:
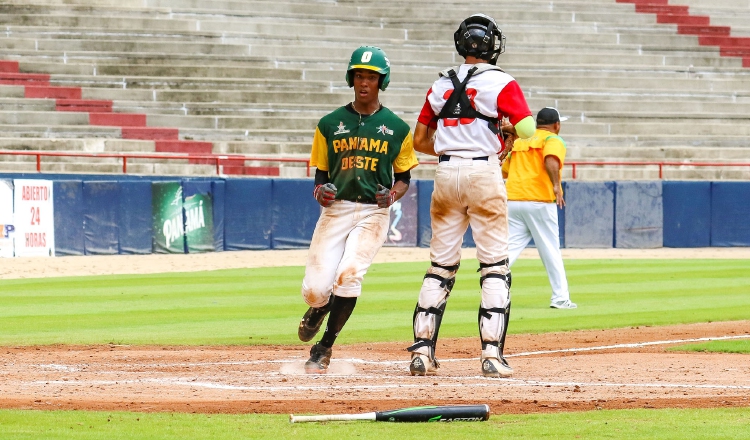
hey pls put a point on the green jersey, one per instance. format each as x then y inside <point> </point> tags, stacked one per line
<point>360,152</point>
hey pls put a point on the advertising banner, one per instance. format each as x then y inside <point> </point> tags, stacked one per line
<point>34,218</point>
<point>199,218</point>
<point>7,229</point>
<point>168,221</point>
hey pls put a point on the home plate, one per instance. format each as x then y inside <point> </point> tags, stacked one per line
<point>341,368</point>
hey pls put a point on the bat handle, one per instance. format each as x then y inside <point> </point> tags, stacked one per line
<point>331,417</point>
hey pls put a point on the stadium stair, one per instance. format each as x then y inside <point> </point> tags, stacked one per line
<point>689,24</point>
<point>253,77</point>
<point>132,125</point>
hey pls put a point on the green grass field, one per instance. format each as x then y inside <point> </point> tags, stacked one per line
<point>263,306</point>
<point>740,347</point>
<point>625,424</point>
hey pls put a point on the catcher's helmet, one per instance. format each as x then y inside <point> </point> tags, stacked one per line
<point>480,37</point>
<point>370,58</point>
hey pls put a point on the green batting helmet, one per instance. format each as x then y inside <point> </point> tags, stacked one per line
<point>370,58</point>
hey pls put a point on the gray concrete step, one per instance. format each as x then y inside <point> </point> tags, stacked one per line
<point>325,81</point>
<point>598,37</point>
<point>705,57</point>
<point>269,45</point>
<point>715,4</point>
<point>188,124</point>
<point>610,61</point>
<point>41,130</point>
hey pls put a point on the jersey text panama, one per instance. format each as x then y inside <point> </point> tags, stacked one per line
<point>361,151</point>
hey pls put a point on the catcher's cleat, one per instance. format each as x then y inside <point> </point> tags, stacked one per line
<point>320,358</point>
<point>421,365</point>
<point>492,367</point>
<point>311,322</point>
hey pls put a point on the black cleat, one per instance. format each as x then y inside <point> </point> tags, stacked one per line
<point>421,365</point>
<point>320,358</point>
<point>311,322</point>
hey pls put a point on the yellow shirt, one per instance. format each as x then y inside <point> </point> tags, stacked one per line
<point>527,177</point>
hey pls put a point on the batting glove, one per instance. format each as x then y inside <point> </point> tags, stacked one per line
<point>384,196</point>
<point>325,194</point>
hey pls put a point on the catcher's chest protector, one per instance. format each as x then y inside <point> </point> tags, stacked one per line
<point>459,104</point>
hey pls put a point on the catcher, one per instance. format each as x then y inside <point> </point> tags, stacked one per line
<point>460,123</point>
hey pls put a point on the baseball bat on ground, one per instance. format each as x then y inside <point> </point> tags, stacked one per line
<point>452,413</point>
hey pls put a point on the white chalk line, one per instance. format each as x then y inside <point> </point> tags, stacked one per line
<point>568,350</point>
<point>523,354</point>
<point>480,382</point>
<point>404,362</point>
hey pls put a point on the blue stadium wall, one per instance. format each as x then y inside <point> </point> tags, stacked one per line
<point>100,215</point>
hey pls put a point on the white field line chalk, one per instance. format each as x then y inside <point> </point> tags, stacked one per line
<point>369,362</point>
<point>460,383</point>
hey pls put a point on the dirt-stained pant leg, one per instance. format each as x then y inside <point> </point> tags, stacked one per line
<point>449,223</point>
<point>487,200</point>
<point>448,216</point>
<point>483,191</point>
<point>368,232</point>
<point>326,250</point>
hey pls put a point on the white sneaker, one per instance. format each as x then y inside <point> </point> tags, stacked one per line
<point>563,305</point>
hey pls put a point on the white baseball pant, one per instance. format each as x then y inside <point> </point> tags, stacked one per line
<point>347,237</point>
<point>467,192</point>
<point>538,220</point>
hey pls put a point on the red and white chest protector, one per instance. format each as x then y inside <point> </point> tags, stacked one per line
<point>494,93</point>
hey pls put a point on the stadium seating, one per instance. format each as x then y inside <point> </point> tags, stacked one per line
<point>253,77</point>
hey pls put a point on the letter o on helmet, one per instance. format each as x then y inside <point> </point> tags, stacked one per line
<point>370,58</point>
<point>479,36</point>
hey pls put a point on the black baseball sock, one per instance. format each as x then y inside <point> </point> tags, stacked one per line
<point>318,314</point>
<point>341,310</point>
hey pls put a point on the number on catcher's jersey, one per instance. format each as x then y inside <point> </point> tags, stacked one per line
<point>454,122</point>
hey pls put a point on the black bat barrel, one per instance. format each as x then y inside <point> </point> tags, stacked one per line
<point>452,413</point>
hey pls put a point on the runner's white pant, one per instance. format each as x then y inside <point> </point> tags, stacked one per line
<point>347,237</point>
<point>538,220</point>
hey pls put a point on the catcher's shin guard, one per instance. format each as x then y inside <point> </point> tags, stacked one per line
<point>428,314</point>
<point>426,328</point>
<point>493,317</point>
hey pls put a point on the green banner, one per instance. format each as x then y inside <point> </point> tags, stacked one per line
<point>199,223</point>
<point>168,220</point>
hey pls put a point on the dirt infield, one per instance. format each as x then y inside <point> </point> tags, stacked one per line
<point>554,372</point>
<point>623,368</point>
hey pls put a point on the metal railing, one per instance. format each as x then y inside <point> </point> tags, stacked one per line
<point>660,164</point>
<point>575,164</point>
<point>218,158</point>
<point>215,158</point>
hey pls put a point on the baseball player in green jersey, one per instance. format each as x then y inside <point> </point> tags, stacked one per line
<point>363,154</point>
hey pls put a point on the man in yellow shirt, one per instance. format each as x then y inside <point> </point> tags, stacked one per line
<point>533,169</point>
